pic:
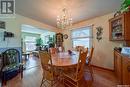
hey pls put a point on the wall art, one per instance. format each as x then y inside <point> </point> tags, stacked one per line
<point>99,33</point>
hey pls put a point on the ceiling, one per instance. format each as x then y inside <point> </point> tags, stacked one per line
<point>46,11</point>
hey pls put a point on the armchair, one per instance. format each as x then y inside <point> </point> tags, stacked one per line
<point>11,65</point>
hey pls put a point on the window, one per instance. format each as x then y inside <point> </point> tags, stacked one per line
<point>47,39</point>
<point>30,43</point>
<point>82,37</point>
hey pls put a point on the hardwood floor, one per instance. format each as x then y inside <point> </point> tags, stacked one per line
<point>103,78</point>
<point>32,77</point>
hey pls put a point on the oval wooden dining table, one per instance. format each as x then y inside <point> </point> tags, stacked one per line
<point>64,59</point>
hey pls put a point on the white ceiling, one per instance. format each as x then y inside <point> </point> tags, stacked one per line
<point>46,11</point>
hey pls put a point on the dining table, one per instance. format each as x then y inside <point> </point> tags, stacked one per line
<point>65,59</point>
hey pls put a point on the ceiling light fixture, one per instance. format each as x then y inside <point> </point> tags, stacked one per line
<point>64,20</point>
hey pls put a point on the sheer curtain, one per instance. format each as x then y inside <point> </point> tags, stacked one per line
<point>82,37</point>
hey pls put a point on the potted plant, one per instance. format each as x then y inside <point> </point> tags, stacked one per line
<point>39,43</point>
<point>125,6</point>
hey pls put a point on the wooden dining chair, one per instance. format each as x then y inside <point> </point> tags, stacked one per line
<point>53,50</point>
<point>88,62</point>
<point>72,78</point>
<point>78,48</point>
<point>48,70</point>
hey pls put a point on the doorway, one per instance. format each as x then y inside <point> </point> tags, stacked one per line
<point>33,40</point>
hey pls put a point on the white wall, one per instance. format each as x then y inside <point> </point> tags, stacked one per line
<point>103,52</point>
<point>11,26</point>
<point>14,25</point>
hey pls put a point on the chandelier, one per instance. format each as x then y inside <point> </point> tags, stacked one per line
<point>64,20</point>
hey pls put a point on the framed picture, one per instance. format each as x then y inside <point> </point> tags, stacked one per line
<point>2,25</point>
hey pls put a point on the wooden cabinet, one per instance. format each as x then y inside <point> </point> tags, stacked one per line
<point>126,71</point>
<point>59,39</point>
<point>122,68</point>
<point>120,27</point>
<point>118,66</point>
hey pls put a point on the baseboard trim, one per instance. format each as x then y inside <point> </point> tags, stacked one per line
<point>103,68</point>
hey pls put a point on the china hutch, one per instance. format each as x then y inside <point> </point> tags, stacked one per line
<point>120,27</point>
<point>59,40</point>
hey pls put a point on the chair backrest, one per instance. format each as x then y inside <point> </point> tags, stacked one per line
<point>78,48</point>
<point>52,50</point>
<point>46,63</point>
<point>11,56</point>
<point>45,57</point>
<point>89,58</point>
<point>60,49</point>
<point>81,64</point>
